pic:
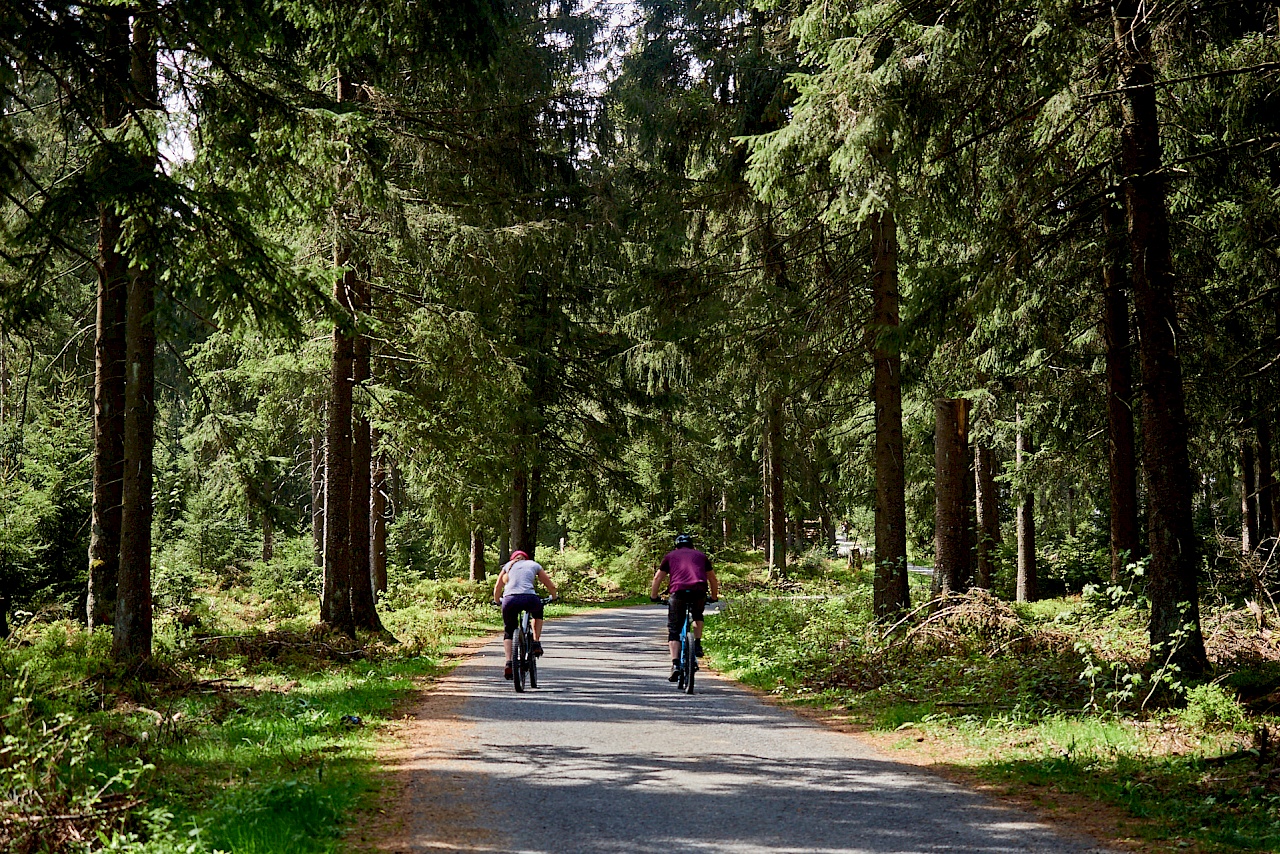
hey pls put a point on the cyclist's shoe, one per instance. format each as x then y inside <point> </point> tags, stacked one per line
<point>675,672</point>
<point>697,648</point>
<point>537,648</point>
<point>506,671</point>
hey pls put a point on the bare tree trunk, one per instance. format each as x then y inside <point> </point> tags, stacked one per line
<point>951,471</point>
<point>268,538</point>
<point>1248,500</point>
<point>987,510</point>
<point>764,474</point>
<point>363,611</point>
<point>1173,582</point>
<point>777,504</point>
<point>1266,484</point>
<point>724,518</point>
<point>335,602</point>
<point>477,545</point>
<point>109,351</point>
<point>1122,456</point>
<point>378,517</point>
<point>504,545</point>
<point>891,593</point>
<point>1027,582</point>
<point>317,495</point>
<point>519,511</point>
<point>534,512</point>
<point>133,617</point>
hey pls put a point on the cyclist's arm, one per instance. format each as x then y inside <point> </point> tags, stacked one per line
<point>498,585</point>
<point>547,582</point>
<point>713,583</point>
<point>659,578</point>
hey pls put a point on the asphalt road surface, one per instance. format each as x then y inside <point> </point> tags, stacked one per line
<point>607,756</point>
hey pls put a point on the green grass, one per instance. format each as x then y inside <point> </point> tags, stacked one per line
<point>248,733</point>
<point>1047,697</point>
<point>258,742</point>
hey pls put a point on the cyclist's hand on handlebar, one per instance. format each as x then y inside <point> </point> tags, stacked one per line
<point>713,600</point>
<point>655,598</point>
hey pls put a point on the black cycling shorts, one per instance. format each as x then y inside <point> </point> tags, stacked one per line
<point>693,600</point>
<point>513,605</point>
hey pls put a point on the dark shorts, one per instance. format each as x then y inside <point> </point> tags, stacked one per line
<point>693,601</point>
<point>513,605</point>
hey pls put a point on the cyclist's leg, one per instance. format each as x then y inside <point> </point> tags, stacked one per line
<point>675,622</point>
<point>696,601</point>
<point>510,616</point>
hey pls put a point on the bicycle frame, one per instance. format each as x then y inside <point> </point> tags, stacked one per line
<point>688,661</point>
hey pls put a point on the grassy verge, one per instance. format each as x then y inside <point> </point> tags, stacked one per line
<point>250,731</point>
<point>1047,701</point>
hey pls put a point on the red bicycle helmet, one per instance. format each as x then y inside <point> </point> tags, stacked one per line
<point>519,555</point>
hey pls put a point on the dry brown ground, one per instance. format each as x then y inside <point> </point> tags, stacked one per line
<point>419,806</point>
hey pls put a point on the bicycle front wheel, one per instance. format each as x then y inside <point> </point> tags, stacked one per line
<point>518,644</point>
<point>690,662</point>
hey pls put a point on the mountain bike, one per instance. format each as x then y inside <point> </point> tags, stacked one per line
<point>688,647</point>
<point>523,661</point>
<point>688,661</point>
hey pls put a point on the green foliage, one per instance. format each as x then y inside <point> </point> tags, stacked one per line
<point>1211,707</point>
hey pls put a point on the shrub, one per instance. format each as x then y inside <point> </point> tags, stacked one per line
<point>1210,707</point>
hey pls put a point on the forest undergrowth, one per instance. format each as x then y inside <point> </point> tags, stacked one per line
<point>249,731</point>
<point>252,729</point>
<point>1050,697</point>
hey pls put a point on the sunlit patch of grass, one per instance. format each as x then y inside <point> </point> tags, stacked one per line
<point>1005,692</point>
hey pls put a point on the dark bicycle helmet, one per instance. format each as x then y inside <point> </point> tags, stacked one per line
<point>684,541</point>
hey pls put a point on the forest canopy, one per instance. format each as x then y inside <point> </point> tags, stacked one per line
<point>328,296</point>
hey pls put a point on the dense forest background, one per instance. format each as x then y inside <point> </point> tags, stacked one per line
<point>330,297</point>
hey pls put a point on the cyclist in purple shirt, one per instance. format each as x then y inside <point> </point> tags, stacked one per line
<point>691,578</point>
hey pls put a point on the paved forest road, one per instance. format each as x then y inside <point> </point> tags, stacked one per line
<point>607,756</point>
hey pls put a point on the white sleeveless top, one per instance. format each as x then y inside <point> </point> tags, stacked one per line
<point>520,576</point>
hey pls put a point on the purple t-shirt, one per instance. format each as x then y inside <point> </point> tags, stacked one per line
<point>688,568</point>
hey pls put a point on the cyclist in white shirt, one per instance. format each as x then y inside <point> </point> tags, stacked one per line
<point>515,585</point>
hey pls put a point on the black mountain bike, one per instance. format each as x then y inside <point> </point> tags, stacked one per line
<point>523,661</point>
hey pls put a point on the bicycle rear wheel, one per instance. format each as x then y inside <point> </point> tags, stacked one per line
<point>688,660</point>
<point>518,644</point>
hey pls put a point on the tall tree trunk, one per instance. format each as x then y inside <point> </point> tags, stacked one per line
<point>378,516</point>
<point>335,602</point>
<point>1122,456</point>
<point>764,494</point>
<point>1027,582</point>
<point>1266,484</point>
<point>268,538</point>
<point>1248,499</point>
<point>477,545</point>
<point>504,545</point>
<point>109,350</point>
<point>335,605</point>
<point>534,512</point>
<point>951,473</point>
<point>519,521</point>
<point>987,511</point>
<point>891,591</point>
<point>133,617</point>
<point>724,518</point>
<point>777,504</point>
<point>317,494</point>
<point>1173,585</point>
<point>363,611</point>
